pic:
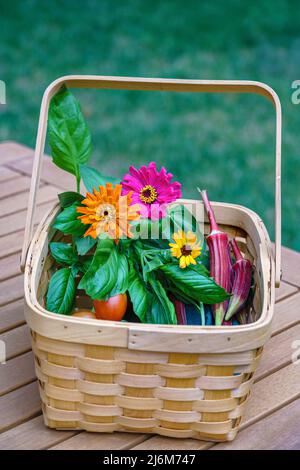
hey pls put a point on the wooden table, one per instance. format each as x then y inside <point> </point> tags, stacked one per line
<point>272,418</point>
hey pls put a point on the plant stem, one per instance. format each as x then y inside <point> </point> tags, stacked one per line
<point>236,250</point>
<point>78,184</point>
<point>202,313</point>
<point>210,213</point>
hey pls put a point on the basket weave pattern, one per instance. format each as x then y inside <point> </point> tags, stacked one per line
<point>105,389</point>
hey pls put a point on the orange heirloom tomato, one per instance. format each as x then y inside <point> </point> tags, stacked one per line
<point>112,309</point>
<point>84,314</point>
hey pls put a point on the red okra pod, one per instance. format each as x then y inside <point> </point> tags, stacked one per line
<point>180,312</point>
<point>220,264</point>
<point>242,273</point>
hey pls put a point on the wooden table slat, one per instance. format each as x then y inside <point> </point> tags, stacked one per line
<point>16,373</point>
<point>7,174</point>
<point>10,266</point>
<point>12,315</point>
<point>10,245</point>
<point>19,202</point>
<point>278,352</point>
<point>32,435</point>
<point>285,290</point>
<point>286,314</point>
<point>19,406</point>
<point>17,341</point>
<point>291,266</point>
<point>11,289</point>
<point>15,186</point>
<point>50,173</point>
<point>12,151</point>
<point>117,441</point>
<point>16,221</point>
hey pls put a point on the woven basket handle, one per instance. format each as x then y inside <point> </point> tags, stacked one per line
<point>154,84</point>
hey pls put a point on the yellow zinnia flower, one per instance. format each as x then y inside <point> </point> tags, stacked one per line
<point>108,212</point>
<point>185,248</point>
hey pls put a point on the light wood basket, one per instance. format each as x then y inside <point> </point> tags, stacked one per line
<point>176,381</point>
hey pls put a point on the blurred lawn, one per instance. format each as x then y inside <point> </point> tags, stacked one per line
<point>222,143</point>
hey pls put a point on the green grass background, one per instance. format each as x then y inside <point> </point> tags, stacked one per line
<point>222,143</point>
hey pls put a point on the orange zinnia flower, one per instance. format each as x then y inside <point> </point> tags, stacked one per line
<point>108,212</point>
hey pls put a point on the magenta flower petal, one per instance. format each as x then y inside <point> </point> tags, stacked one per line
<point>152,189</point>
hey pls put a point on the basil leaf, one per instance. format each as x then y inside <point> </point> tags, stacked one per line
<point>69,135</point>
<point>121,285</point>
<point>75,269</point>
<point>61,292</point>
<point>152,260</point>
<point>68,198</point>
<point>204,256</point>
<point>102,274</point>
<point>195,282</point>
<point>162,309</point>
<point>67,222</point>
<point>84,245</point>
<point>139,295</point>
<point>93,178</point>
<point>85,263</point>
<point>63,253</point>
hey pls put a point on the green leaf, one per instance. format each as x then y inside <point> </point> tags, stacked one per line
<point>68,223</point>
<point>69,135</point>
<point>204,256</point>
<point>63,253</point>
<point>84,245</point>
<point>162,309</point>
<point>153,259</point>
<point>68,198</point>
<point>151,232</point>
<point>121,285</point>
<point>61,292</point>
<point>139,295</point>
<point>84,264</point>
<point>102,274</point>
<point>75,269</point>
<point>93,178</point>
<point>195,282</point>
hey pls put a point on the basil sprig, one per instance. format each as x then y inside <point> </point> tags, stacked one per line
<point>69,136</point>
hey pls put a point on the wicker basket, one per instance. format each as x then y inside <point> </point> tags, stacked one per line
<point>176,381</point>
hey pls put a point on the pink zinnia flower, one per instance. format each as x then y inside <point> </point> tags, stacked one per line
<point>151,189</point>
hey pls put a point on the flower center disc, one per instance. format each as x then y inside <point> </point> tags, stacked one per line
<point>106,212</point>
<point>186,250</point>
<point>148,194</point>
